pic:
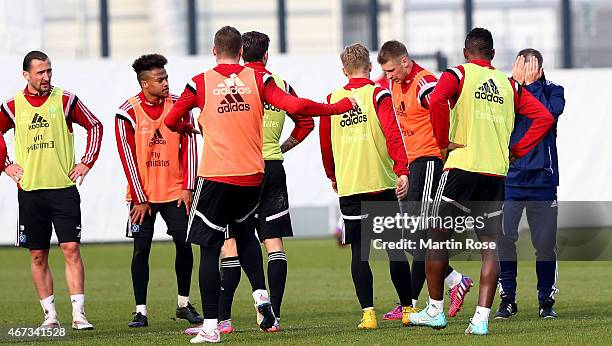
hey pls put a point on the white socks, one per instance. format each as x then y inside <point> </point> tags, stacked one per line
<point>142,309</point>
<point>481,314</point>
<point>453,279</point>
<point>48,306</point>
<point>260,296</point>
<point>183,301</point>
<point>78,305</point>
<point>209,325</point>
<point>434,307</point>
<point>414,303</point>
<point>368,309</point>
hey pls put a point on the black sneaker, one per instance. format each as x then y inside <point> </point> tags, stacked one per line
<point>546,309</point>
<point>268,320</point>
<point>190,314</point>
<point>506,309</point>
<point>139,320</point>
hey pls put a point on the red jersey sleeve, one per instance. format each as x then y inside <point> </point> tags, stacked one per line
<point>388,121</point>
<point>187,101</point>
<point>327,155</point>
<point>526,104</point>
<point>189,157</point>
<point>303,125</point>
<point>126,145</point>
<point>81,115</point>
<point>2,153</point>
<point>275,96</point>
<point>444,96</point>
<point>424,90</point>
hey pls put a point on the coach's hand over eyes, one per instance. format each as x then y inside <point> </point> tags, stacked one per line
<point>532,71</point>
<point>14,171</point>
<point>139,212</point>
<point>79,171</point>
<point>187,199</point>
<point>518,70</point>
<point>402,186</point>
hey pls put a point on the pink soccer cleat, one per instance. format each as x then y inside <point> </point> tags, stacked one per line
<point>457,295</point>
<point>394,314</point>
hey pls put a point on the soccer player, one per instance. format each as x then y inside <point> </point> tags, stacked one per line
<point>231,98</point>
<point>411,86</point>
<point>2,153</point>
<point>365,159</point>
<point>483,102</point>
<point>531,184</point>
<point>160,167</point>
<point>272,219</point>
<point>43,116</point>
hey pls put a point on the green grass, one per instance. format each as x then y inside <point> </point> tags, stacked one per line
<point>320,306</point>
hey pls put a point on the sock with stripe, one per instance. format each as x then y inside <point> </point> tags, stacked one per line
<point>277,277</point>
<point>230,278</point>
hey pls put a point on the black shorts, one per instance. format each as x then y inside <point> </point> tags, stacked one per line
<point>272,219</point>
<point>461,194</point>
<point>218,206</point>
<point>174,217</point>
<point>354,217</point>
<point>39,210</point>
<point>423,182</point>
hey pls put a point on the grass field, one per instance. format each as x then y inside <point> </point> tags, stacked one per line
<point>320,306</point>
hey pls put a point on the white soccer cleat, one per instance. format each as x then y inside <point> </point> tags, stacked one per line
<point>50,322</point>
<point>207,336</point>
<point>81,323</point>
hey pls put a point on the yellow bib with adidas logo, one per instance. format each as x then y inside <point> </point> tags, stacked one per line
<point>273,122</point>
<point>482,120</point>
<point>44,147</point>
<point>361,159</point>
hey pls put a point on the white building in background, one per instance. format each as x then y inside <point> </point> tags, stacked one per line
<point>70,28</point>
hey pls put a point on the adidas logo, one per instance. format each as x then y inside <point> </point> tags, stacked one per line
<point>401,110</point>
<point>157,139</point>
<point>353,117</point>
<point>488,91</point>
<point>233,103</point>
<point>232,85</point>
<point>38,122</point>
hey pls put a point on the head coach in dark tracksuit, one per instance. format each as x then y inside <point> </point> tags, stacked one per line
<point>531,184</point>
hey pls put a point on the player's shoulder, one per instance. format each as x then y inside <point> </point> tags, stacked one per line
<point>552,85</point>
<point>380,93</point>
<point>196,82</point>
<point>456,71</point>
<point>69,97</point>
<point>126,109</point>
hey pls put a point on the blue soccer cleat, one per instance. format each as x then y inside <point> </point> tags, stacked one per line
<point>422,318</point>
<point>480,328</point>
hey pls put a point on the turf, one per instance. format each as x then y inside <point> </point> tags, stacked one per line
<point>320,306</point>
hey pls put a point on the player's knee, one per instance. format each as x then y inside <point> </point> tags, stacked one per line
<point>71,251</point>
<point>274,244</point>
<point>39,258</point>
